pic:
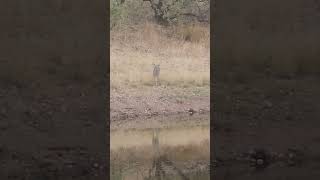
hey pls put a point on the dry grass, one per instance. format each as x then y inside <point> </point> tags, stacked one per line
<point>181,51</point>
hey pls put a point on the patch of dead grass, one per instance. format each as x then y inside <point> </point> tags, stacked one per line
<point>183,53</point>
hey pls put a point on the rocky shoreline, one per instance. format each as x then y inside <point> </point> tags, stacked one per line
<point>157,101</point>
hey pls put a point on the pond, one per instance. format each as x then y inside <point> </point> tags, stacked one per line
<point>179,151</point>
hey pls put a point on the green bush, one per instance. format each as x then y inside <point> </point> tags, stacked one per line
<point>129,12</point>
<point>168,11</point>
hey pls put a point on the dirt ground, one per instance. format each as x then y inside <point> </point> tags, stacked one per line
<point>151,101</point>
<point>52,89</point>
<point>277,116</point>
<point>169,121</point>
<point>45,135</point>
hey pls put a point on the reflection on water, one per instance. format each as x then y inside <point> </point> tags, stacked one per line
<point>167,153</point>
<point>168,136</point>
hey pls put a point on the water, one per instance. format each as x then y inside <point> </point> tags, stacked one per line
<point>178,152</point>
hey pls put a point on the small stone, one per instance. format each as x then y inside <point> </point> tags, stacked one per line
<point>260,162</point>
<point>191,111</point>
<point>96,165</point>
<point>291,155</point>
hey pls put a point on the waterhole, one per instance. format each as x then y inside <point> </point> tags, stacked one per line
<point>176,152</point>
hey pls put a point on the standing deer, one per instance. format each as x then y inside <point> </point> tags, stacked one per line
<point>156,73</point>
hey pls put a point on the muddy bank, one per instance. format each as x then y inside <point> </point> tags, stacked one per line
<point>169,121</point>
<point>176,112</point>
<point>150,101</point>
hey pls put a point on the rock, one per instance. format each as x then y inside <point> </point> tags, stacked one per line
<point>259,158</point>
<point>294,157</point>
<point>96,165</point>
<point>260,162</point>
<point>191,111</point>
